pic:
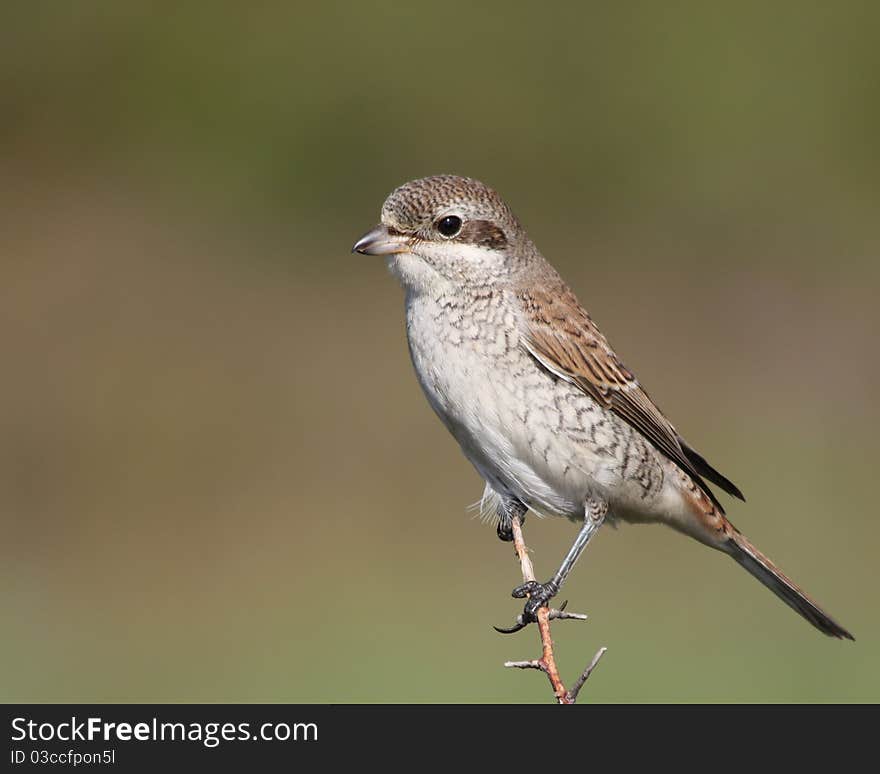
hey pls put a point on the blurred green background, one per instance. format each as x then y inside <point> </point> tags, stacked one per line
<point>219,480</point>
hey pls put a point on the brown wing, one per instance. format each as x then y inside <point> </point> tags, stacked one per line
<point>565,340</point>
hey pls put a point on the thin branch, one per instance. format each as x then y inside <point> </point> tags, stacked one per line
<point>563,615</point>
<point>535,664</point>
<point>579,683</point>
<point>545,614</point>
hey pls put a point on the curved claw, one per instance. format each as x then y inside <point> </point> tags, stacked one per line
<point>518,626</point>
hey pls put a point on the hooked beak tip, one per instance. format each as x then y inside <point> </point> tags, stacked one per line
<point>379,241</point>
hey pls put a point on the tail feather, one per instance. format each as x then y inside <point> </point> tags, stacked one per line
<point>774,579</point>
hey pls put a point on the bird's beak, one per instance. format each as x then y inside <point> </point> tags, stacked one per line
<point>380,241</point>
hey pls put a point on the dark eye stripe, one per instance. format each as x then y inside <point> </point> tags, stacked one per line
<point>482,233</point>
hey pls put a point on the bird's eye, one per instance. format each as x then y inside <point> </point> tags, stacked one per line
<point>449,226</point>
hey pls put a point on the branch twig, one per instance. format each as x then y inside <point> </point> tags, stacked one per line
<point>547,662</point>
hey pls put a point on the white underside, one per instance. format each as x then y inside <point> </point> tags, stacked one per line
<point>507,427</point>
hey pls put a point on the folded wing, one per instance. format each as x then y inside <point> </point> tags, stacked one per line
<point>563,338</point>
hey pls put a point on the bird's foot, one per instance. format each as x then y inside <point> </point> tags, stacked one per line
<point>536,595</point>
<point>505,530</point>
<point>539,594</point>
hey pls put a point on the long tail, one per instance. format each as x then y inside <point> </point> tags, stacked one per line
<point>774,579</point>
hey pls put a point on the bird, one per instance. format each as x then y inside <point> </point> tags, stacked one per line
<point>534,394</point>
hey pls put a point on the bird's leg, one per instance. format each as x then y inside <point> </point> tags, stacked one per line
<point>539,594</point>
<point>509,508</point>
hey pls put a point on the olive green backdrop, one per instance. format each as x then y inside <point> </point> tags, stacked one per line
<point>218,478</point>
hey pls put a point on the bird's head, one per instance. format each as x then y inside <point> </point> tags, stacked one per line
<point>446,229</point>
